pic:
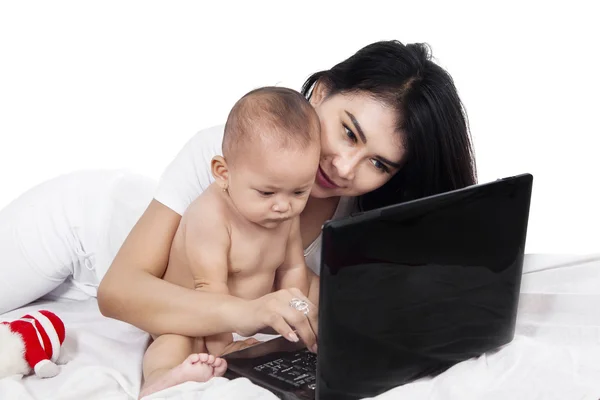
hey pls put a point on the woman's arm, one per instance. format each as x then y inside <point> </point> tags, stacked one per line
<point>133,291</point>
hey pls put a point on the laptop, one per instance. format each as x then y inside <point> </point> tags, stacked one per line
<point>406,292</point>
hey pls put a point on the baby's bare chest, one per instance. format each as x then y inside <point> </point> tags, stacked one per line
<point>253,263</point>
<point>256,253</point>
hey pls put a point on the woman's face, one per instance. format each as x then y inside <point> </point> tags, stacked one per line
<point>360,147</point>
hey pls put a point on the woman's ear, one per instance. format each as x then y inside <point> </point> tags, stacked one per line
<point>220,171</point>
<point>318,94</point>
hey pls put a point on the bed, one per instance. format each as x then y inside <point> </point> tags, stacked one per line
<point>555,353</point>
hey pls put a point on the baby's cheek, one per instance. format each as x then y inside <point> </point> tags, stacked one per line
<point>299,205</point>
<point>259,209</point>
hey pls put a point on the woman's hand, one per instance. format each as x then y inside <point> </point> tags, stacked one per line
<point>274,310</point>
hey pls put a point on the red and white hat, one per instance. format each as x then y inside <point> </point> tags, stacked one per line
<point>43,333</point>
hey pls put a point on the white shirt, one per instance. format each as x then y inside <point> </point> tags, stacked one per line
<point>188,175</point>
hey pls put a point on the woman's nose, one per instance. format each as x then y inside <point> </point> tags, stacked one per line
<point>345,166</point>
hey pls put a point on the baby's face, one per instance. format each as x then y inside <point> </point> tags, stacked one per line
<point>269,187</point>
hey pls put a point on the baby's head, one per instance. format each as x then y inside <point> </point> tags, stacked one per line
<point>271,150</point>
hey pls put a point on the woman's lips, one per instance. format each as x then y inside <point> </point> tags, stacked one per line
<point>324,181</point>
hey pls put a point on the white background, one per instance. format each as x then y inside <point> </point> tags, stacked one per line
<point>123,84</point>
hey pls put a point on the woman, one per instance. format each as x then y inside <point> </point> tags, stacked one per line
<point>64,233</point>
<point>393,130</point>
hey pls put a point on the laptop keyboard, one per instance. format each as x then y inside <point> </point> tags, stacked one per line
<point>297,369</point>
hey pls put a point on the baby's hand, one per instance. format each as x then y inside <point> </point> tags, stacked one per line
<point>239,345</point>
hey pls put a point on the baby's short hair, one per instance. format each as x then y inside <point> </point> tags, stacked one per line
<point>278,116</point>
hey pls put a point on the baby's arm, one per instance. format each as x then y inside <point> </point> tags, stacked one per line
<point>293,272</point>
<point>207,244</point>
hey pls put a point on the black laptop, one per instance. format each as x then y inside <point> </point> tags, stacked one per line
<point>406,292</point>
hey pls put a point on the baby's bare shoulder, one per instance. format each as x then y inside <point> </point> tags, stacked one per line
<point>207,210</point>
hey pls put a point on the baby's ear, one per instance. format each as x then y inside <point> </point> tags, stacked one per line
<point>220,171</point>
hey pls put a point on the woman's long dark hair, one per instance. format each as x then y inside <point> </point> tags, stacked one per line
<point>431,118</point>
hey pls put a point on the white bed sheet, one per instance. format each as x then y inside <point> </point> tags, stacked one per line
<point>555,354</point>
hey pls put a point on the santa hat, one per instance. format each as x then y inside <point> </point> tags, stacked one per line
<point>50,331</point>
<point>43,333</point>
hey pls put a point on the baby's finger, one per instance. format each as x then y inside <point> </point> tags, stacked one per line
<point>236,346</point>
<point>251,341</point>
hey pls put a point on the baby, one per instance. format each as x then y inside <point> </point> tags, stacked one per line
<point>241,236</point>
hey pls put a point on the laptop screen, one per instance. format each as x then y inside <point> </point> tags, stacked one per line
<point>410,290</point>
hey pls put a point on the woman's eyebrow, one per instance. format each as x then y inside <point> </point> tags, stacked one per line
<point>390,163</point>
<point>357,126</point>
<point>364,139</point>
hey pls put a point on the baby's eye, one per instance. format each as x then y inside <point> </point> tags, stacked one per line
<point>266,194</point>
<point>299,192</point>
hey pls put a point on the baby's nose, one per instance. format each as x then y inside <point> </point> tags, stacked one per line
<point>281,206</point>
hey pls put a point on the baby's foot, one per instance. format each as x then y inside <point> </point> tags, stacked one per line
<point>197,368</point>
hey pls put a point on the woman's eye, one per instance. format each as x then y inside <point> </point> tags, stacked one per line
<point>379,165</point>
<point>350,134</point>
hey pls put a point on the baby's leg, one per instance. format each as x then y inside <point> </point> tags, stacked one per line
<point>173,359</point>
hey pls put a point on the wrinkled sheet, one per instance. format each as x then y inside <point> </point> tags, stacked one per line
<point>555,353</point>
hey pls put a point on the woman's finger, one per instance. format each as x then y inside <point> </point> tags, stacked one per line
<point>298,320</point>
<point>313,313</point>
<point>279,324</point>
